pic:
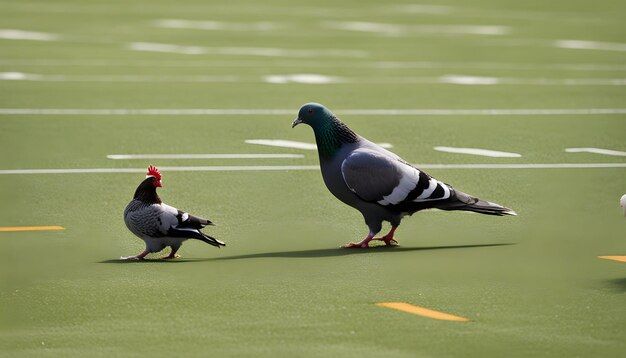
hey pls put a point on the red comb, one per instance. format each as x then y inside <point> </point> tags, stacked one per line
<point>154,171</point>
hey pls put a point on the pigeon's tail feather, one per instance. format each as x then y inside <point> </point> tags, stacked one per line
<point>469,203</point>
<point>209,240</point>
<point>485,207</point>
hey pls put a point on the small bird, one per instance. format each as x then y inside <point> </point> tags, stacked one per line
<point>622,203</point>
<point>159,224</point>
<point>377,182</point>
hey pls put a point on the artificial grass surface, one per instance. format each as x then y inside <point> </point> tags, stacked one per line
<point>531,285</point>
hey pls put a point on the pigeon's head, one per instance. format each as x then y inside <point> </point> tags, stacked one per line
<point>155,176</point>
<point>622,203</point>
<point>313,114</point>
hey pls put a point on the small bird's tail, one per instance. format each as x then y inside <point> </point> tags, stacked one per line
<point>210,240</point>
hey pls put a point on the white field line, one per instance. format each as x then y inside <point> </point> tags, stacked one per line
<point>302,78</point>
<point>13,34</point>
<point>202,156</point>
<point>163,169</point>
<point>311,78</point>
<point>167,48</point>
<point>293,112</point>
<point>20,76</point>
<point>402,65</point>
<point>590,45</point>
<point>217,25</point>
<point>244,51</point>
<point>288,12</point>
<point>148,112</point>
<point>306,167</point>
<point>386,65</point>
<point>404,30</point>
<point>282,143</point>
<point>478,151</point>
<point>596,151</point>
<point>524,166</point>
<point>486,80</point>
<point>293,144</point>
<point>498,14</point>
<point>484,112</point>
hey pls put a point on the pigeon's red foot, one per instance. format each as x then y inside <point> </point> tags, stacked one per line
<point>365,243</point>
<point>389,241</point>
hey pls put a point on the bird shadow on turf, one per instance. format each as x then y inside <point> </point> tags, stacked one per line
<point>317,253</point>
<point>124,261</point>
<point>618,284</point>
<point>344,252</point>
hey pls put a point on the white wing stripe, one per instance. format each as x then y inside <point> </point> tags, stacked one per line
<point>400,192</point>
<point>432,185</point>
<point>446,191</point>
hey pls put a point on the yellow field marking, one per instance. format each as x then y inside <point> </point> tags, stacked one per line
<point>30,228</point>
<point>615,258</point>
<point>425,312</point>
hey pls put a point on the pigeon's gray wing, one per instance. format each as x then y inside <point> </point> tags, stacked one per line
<point>378,177</point>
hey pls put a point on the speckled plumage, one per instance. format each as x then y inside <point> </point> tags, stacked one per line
<point>160,225</point>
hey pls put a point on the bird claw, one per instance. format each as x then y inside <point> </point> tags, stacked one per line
<point>389,241</point>
<point>131,258</point>
<point>355,245</point>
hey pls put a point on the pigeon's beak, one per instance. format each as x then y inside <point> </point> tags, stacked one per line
<point>296,122</point>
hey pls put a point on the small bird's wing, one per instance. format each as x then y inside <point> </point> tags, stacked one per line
<point>184,220</point>
<point>377,176</point>
<point>185,225</point>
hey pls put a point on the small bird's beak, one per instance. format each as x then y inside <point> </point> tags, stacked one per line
<point>296,122</point>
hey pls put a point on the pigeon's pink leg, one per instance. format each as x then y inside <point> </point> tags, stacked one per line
<point>172,254</point>
<point>137,257</point>
<point>388,239</point>
<point>361,244</point>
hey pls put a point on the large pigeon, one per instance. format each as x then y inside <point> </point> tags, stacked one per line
<point>377,182</point>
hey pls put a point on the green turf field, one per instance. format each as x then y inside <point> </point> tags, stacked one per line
<point>80,80</point>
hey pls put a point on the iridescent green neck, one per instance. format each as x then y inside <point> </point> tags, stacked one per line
<point>331,135</point>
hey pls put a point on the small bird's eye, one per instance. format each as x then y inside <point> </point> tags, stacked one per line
<point>310,110</point>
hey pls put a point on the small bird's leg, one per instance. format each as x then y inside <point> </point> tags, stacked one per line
<point>172,254</point>
<point>137,257</point>
<point>361,244</point>
<point>388,239</point>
